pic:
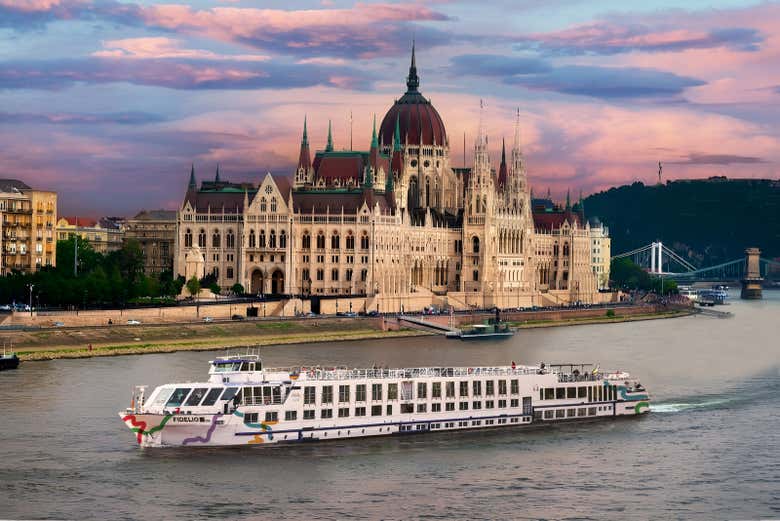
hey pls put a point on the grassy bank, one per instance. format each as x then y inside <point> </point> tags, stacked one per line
<point>604,319</point>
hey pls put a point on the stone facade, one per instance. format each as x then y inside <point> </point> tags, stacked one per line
<point>397,225</point>
<point>155,230</point>
<point>27,237</point>
<point>104,237</point>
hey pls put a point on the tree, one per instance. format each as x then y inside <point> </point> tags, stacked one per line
<point>237,288</point>
<point>215,289</point>
<point>193,286</point>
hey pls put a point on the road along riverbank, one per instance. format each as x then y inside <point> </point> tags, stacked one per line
<point>52,343</point>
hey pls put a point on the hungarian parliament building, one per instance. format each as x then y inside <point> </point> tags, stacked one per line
<point>396,227</point>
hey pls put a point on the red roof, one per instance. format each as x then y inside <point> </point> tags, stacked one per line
<point>338,166</point>
<point>547,221</point>
<point>84,222</point>
<point>418,122</point>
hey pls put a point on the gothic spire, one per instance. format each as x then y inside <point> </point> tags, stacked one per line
<point>517,131</point>
<point>216,177</point>
<point>412,81</point>
<point>568,199</point>
<point>305,140</point>
<point>374,142</point>
<point>329,146</point>
<point>397,135</point>
<point>193,184</point>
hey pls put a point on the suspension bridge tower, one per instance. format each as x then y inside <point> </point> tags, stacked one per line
<point>751,284</point>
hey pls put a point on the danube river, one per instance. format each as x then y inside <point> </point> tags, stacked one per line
<point>709,450</point>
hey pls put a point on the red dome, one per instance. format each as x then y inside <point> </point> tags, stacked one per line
<point>418,121</point>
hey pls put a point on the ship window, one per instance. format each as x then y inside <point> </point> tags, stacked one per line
<point>389,409</point>
<point>477,388</point>
<point>360,411</point>
<point>476,405</point>
<point>250,417</point>
<point>514,402</point>
<point>581,412</point>
<point>464,388</point>
<point>376,391</point>
<point>489,387</point>
<point>590,394</point>
<point>591,411</point>
<point>436,407</point>
<point>376,410</point>
<point>196,396</point>
<point>360,393</point>
<point>489,404</point>
<point>449,406</point>
<point>560,393</point>
<point>549,393</point>
<point>502,404</point>
<point>571,392</point>
<point>290,415</point>
<point>326,413</point>
<point>422,389</point>
<point>229,393</point>
<point>502,387</point>
<point>571,413</point>
<point>343,393</point>
<point>178,396</point>
<point>464,406</point>
<point>327,394</point>
<point>221,367</point>
<point>308,415</point>
<point>548,415</point>
<point>407,408</point>
<point>421,407</point>
<point>163,396</point>
<point>343,412</point>
<point>515,387</point>
<point>436,390</point>
<point>582,392</point>
<point>450,389</point>
<point>308,395</point>
<point>211,396</point>
<point>392,391</point>
<point>560,413</point>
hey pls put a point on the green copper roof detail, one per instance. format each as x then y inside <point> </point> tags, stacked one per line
<point>329,146</point>
<point>374,142</point>
<point>305,140</point>
<point>397,135</point>
<point>193,184</point>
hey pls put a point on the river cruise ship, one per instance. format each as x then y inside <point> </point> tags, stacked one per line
<point>245,403</point>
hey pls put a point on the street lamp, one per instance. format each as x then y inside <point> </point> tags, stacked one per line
<point>30,287</point>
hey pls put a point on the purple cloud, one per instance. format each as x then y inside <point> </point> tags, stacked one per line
<point>581,80</point>
<point>66,118</point>
<point>176,74</point>
<point>717,159</point>
<point>606,39</point>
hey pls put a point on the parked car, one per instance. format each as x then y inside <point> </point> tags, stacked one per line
<point>59,324</point>
<point>5,307</point>
<point>237,317</point>
<point>208,319</point>
<point>373,313</point>
<point>133,322</point>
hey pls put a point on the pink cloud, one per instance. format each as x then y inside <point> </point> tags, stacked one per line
<point>162,47</point>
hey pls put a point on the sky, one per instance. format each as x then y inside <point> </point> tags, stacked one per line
<point>110,102</point>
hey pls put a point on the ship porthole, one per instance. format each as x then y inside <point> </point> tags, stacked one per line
<point>348,432</point>
<point>363,431</point>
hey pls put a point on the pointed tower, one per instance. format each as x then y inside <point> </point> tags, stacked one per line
<point>216,177</point>
<point>193,185</point>
<point>502,169</point>
<point>412,81</point>
<point>329,146</point>
<point>304,173</point>
<point>568,200</point>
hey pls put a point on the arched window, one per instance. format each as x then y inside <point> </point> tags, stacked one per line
<point>262,204</point>
<point>215,240</point>
<point>262,239</point>
<point>282,239</point>
<point>350,240</point>
<point>475,244</point>
<point>320,241</point>
<point>306,241</point>
<point>272,239</point>
<point>335,241</point>
<point>188,238</point>
<point>252,239</point>
<point>202,238</point>
<point>427,191</point>
<point>363,275</point>
<point>364,241</point>
<point>273,204</point>
<point>230,239</point>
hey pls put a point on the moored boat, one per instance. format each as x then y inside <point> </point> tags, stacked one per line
<point>243,403</point>
<point>9,361</point>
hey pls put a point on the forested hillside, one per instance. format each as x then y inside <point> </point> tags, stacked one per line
<point>706,221</point>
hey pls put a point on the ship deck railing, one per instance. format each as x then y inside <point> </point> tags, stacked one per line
<point>343,373</point>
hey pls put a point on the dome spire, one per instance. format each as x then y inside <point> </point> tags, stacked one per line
<point>412,81</point>
<point>374,142</point>
<point>329,146</point>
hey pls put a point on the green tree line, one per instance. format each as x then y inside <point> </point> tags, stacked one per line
<point>626,275</point>
<point>114,279</point>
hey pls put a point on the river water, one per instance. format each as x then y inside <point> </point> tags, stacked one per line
<point>709,450</point>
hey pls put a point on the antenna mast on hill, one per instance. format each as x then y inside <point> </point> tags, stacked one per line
<point>660,170</point>
<point>350,130</point>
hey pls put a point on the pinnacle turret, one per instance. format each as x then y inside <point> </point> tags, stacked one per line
<point>412,81</point>
<point>192,184</point>
<point>329,146</point>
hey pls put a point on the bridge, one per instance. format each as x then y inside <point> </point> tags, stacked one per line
<point>660,260</point>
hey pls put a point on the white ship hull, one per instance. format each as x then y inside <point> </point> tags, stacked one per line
<point>340,404</point>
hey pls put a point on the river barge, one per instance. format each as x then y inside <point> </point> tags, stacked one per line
<point>244,403</point>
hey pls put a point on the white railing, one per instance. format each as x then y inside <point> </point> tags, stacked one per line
<point>342,373</point>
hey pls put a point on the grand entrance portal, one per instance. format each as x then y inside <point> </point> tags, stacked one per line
<point>277,283</point>
<point>257,282</point>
